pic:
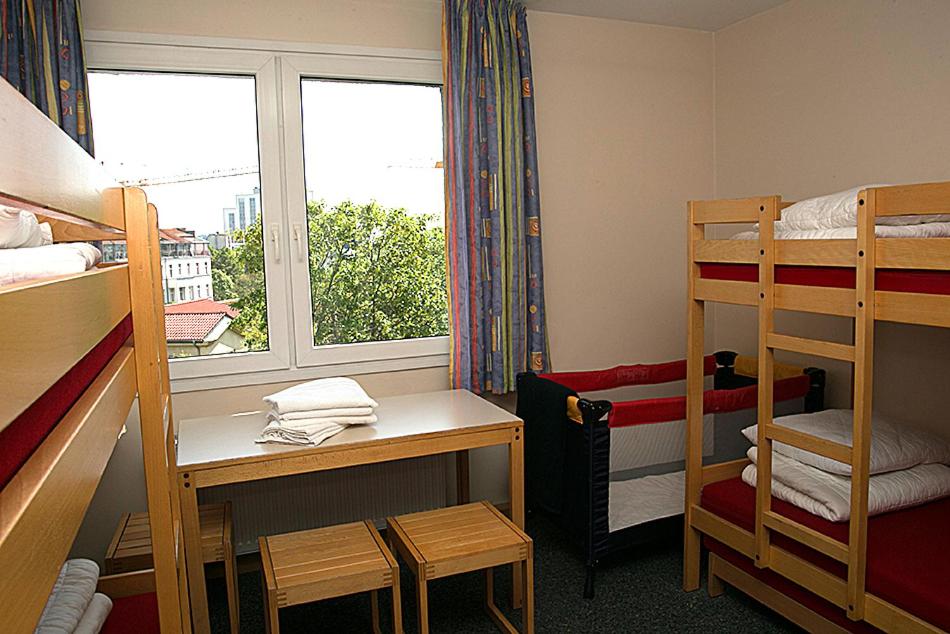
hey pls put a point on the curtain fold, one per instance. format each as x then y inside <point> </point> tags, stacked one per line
<point>41,55</point>
<point>493,221</point>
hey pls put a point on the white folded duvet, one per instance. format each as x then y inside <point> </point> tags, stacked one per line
<point>31,263</point>
<point>925,230</point>
<point>829,496</point>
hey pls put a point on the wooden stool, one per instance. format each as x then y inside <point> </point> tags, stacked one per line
<point>328,562</point>
<point>131,548</point>
<point>460,539</point>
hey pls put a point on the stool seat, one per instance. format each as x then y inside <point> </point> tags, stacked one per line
<point>327,562</point>
<point>461,539</point>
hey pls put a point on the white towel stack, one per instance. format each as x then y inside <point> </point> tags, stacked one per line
<point>309,413</point>
<point>74,606</point>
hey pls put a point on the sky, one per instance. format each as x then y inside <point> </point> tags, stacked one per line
<point>362,141</point>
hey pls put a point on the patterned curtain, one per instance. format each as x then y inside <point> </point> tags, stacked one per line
<point>493,222</point>
<point>41,54</point>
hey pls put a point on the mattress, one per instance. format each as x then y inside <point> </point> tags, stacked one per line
<point>137,613</point>
<point>896,280</point>
<point>26,433</point>
<point>908,551</point>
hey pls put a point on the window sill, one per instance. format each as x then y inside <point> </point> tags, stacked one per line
<point>264,377</point>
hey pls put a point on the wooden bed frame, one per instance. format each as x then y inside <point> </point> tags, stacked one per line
<point>865,305</point>
<point>46,327</point>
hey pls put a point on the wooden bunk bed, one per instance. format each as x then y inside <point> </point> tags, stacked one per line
<point>77,350</point>
<point>823,576</point>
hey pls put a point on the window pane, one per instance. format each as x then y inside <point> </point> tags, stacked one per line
<point>190,141</point>
<point>375,207</point>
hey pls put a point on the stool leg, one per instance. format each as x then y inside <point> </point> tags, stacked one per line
<point>527,607</point>
<point>397,603</point>
<point>271,621</point>
<point>422,599</point>
<point>230,578</point>
<point>374,603</point>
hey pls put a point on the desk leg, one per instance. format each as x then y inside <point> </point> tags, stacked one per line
<point>462,489</point>
<point>191,533</point>
<point>516,495</point>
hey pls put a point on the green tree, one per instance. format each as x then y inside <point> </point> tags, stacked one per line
<point>376,274</point>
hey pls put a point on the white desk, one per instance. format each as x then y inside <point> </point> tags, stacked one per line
<point>221,450</point>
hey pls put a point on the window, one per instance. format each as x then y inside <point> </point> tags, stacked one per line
<point>191,142</point>
<point>250,155</point>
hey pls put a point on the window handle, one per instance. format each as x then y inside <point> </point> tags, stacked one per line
<point>298,241</point>
<point>275,238</point>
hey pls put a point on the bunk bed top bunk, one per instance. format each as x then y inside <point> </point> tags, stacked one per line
<point>889,572</point>
<point>71,371</point>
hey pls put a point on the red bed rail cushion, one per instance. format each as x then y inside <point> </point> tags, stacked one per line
<point>20,439</point>
<point>627,375</point>
<point>908,562</point>
<point>896,280</point>
<point>136,614</point>
<point>670,408</point>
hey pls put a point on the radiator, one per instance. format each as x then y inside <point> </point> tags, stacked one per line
<point>281,505</point>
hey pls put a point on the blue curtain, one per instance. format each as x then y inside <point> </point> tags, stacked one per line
<point>41,54</point>
<point>493,214</point>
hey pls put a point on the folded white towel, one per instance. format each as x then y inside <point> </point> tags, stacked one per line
<point>95,615</point>
<point>21,229</point>
<point>317,421</point>
<point>321,413</point>
<point>20,265</point>
<point>275,432</point>
<point>332,393</point>
<point>72,592</point>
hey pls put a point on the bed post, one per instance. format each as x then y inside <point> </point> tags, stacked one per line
<point>142,241</point>
<point>863,393</point>
<point>593,413</point>
<point>695,343</point>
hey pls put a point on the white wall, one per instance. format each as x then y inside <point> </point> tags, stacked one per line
<point>625,122</point>
<point>814,97</point>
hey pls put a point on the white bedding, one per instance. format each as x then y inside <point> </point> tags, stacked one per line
<point>829,496</point>
<point>895,445</point>
<point>71,595</point>
<point>30,263</point>
<point>21,229</point>
<point>925,230</point>
<point>640,500</point>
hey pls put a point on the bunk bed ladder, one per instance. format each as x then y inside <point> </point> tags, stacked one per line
<point>858,455</point>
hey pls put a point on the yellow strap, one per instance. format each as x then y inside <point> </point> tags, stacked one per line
<point>749,366</point>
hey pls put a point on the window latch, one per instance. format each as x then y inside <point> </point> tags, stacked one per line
<point>275,238</point>
<point>298,241</point>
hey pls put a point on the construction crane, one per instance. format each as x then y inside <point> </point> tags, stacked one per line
<point>185,177</point>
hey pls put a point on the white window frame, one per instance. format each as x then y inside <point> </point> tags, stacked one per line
<point>149,57</point>
<point>294,69</point>
<point>277,68</point>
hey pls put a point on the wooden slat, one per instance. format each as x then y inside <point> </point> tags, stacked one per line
<point>906,200</point>
<point>810,537</point>
<point>726,291</point>
<point>815,299</point>
<point>127,584</point>
<point>795,438</point>
<point>815,252</point>
<point>827,349</point>
<point>913,308</point>
<point>49,325</point>
<point>890,618</point>
<point>824,584</point>
<point>48,169</point>
<point>66,229</point>
<point>42,508</point>
<point>726,251</point>
<point>724,470</point>
<point>913,253</point>
<point>729,211</point>
<point>719,529</point>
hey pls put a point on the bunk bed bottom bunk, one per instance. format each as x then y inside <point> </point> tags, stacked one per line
<point>26,432</point>
<point>908,560</point>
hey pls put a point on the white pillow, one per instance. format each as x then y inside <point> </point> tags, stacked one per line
<point>21,229</point>
<point>894,445</point>
<point>840,210</point>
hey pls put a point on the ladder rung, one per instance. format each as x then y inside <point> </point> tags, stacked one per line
<point>820,446</point>
<point>829,349</point>
<point>810,537</point>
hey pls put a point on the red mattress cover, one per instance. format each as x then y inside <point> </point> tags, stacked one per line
<point>26,433</point>
<point>898,280</point>
<point>137,614</point>
<point>908,551</point>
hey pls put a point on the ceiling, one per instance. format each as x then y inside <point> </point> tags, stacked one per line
<point>707,15</point>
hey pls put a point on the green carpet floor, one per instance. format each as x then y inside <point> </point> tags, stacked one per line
<point>637,591</point>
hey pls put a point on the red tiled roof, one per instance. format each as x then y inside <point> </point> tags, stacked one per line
<point>194,321</point>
